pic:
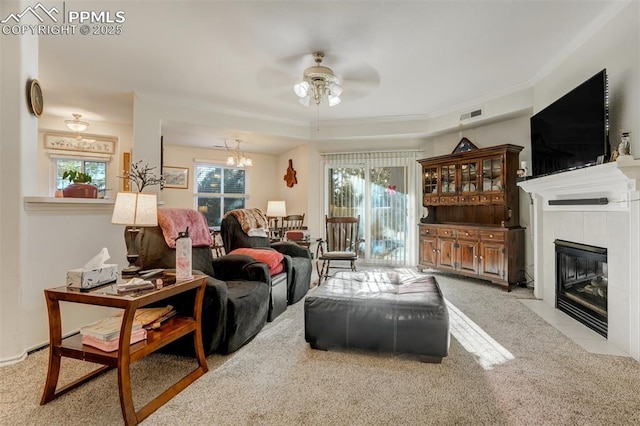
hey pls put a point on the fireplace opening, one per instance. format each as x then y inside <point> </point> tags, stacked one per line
<point>581,283</point>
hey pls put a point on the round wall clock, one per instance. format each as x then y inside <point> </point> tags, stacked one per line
<point>34,98</point>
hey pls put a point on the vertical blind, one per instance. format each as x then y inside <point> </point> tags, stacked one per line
<point>381,187</point>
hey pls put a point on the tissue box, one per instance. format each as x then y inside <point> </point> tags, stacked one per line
<point>89,278</point>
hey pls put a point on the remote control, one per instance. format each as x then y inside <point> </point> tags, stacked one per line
<point>150,273</point>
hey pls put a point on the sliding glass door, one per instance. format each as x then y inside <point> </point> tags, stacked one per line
<point>380,194</point>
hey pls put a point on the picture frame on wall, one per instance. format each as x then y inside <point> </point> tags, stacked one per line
<point>175,177</point>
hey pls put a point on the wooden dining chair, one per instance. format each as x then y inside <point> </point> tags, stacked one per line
<point>293,221</point>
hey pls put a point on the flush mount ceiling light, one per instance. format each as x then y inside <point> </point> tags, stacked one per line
<point>317,83</point>
<point>237,158</point>
<point>76,125</point>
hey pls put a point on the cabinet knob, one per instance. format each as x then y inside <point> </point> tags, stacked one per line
<point>490,235</point>
<point>481,257</point>
<point>466,233</point>
<point>433,251</point>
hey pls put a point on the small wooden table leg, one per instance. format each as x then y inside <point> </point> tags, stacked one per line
<point>124,374</point>
<point>197,335</point>
<point>55,339</point>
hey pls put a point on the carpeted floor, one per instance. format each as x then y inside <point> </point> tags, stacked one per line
<point>506,366</point>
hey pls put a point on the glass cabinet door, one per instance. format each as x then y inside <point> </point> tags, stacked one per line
<point>448,178</point>
<point>492,174</point>
<point>469,176</point>
<point>430,180</point>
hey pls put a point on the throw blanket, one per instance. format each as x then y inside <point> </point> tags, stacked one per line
<point>173,221</point>
<point>252,221</point>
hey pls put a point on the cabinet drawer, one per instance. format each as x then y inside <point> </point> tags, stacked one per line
<point>428,232</point>
<point>497,198</point>
<point>467,234</point>
<point>485,199</point>
<point>492,235</point>
<point>446,232</point>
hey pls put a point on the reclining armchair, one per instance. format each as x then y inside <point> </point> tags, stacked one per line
<point>236,300</point>
<point>298,257</point>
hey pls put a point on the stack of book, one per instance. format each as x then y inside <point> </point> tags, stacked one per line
<point>105,334</point>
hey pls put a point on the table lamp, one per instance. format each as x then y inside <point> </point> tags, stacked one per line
<point>276,209</point>
<point>134,209</point>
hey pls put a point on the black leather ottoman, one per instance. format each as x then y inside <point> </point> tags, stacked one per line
<point>386,311</point>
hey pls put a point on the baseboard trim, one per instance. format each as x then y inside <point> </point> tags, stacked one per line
<point>10,361</point>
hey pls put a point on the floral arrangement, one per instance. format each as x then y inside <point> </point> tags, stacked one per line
<point>142,175</point>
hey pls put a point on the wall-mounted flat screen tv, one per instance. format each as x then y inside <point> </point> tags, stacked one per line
<point>572,132</point>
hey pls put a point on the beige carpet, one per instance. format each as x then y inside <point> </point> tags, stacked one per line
<point>521,372</point>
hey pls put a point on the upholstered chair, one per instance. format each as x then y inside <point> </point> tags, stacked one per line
<point>299,258</point>
<point>236,301</point>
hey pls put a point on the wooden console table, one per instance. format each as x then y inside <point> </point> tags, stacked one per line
<point>126,354</point>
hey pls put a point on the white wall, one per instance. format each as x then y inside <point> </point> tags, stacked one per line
<point>18,139</point>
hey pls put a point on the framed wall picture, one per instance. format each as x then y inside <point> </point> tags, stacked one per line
<point>176,177</point>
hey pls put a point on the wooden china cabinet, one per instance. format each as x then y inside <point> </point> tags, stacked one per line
<point>472,227</point>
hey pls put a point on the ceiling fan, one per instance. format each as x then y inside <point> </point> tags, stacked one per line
<point>333,78</point>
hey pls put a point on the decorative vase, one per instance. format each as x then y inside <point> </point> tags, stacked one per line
<point>80,190</point>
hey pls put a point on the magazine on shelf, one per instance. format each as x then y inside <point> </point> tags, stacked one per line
<point>112,345</point>
<point>107,328</point>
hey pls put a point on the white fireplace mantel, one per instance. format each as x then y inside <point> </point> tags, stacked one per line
<point>614,226</point>
<point>614,181</point>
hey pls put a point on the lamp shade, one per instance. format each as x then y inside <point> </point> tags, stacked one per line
<point>135,209</point>
<point>276,209</point>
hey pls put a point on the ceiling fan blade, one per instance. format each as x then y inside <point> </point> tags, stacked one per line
<point>271,78</point>
<point>298,61</point>
<point>361,74</point>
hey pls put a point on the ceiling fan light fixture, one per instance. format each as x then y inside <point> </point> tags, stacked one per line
<point>76,124</point>
<point>335,89</point>
<point>319,82</point>
<point>305,101</point>
<point>301,89</point>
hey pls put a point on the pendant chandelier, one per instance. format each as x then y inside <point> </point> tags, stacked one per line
<point>76,124</point>
<point>236,157</point>
<point>317,83</point>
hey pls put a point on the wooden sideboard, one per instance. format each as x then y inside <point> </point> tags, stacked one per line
<point>472,227</point>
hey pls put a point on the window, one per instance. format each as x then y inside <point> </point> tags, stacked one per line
<point>95,168</point>
<point>218,190</point>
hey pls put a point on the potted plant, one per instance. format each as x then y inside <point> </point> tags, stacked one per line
<point>80,185</point>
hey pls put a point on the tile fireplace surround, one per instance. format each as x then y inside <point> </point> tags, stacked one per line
<point>614,226</point>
